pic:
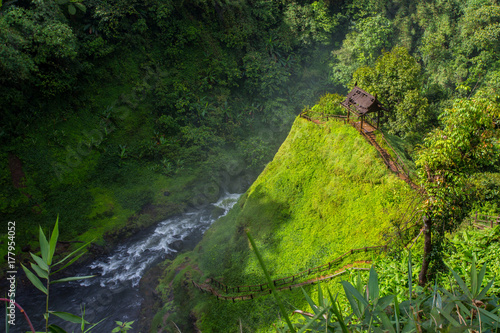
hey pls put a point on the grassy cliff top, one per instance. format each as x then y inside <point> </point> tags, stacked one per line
<point>325,192</point>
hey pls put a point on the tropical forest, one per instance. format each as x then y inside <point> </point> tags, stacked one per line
<point>249,166</point>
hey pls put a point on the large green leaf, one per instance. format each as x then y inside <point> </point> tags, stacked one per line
<point>490,315</point>
<point>69,317</point>
<point>373,289</point>
<point>313,320</point>
<point>321,301</point>
<point>310,301</point>
<point>461,283</point>
<point>34,280</point>
<point>385,301</point>
<point>387,323</point>
<point>93,325</point>
<point>44,246</point>
<point>337,312</point>
<point>40,262</point>
<point>396,312</point>
<point>70,262</point>
<point>482,294</point>
<point>352,294</point>
<point>40,272</point>
<point>446,313</point>
<point>53,241</point>
<point>473,276</point>
<point>73,278</point>
<point>480,279</point>
<point>72,253</point>
<point>71,9</point>
<point>270,282</point>
<point>410,282</point>
<point>55,329</point>
<point>80,6</point>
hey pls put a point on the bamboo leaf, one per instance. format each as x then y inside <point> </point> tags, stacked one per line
<point>482,294</point>
<point>40,272</point>
<point>490,315</point>
<point>72,253</point>
<point>461,283</point>
<point>409,275</point>
<point>313,320</point>
<point>448,317</point>
<point>321,301</point>
<point>53,241</point>
<point>396,312</point>
<point>385,301</point>
<point>68,317</point>
<point>480,279</point>
<point>463,308</point>
<point>44,246</point>
<point>34,280</point>
<point>337,312</point>
<point>40,262</point>
<point>387,323</point>
<point>94,325</point>
<point>270,282</point>
<point>310,301</point>
<point>351,293</point>
<point>55,329</point>
<point>73,278</point>
<point>70,262</point>
<point>473,275</point>
<point>373,288</point>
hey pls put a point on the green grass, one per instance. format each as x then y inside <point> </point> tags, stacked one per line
<point>325,192</point>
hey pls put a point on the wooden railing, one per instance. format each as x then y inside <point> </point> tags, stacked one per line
<point>482,221</point>
<point>294,281</point>
<point>400,163</point>
<point>267,291</point>
<point>296,277</point>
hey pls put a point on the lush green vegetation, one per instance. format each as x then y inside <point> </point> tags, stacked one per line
<point>108,106</point>
<point>119,113</point>
<point>324,189</point>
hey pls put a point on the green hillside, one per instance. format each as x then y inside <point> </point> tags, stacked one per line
<point>325,192</point>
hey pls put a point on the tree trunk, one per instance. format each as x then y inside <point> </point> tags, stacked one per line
<point>422,278</point>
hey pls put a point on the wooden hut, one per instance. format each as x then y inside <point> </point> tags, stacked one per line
<point>362,104</point>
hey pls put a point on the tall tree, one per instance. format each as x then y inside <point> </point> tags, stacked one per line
<point>396,79</point>
<point>466,145</point>
<point>366,41</point>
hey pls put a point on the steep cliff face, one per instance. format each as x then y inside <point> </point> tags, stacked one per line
<point>325,192</point>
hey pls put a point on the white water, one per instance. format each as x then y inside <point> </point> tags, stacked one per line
<point>114,294</point>
<point>128,262</point>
